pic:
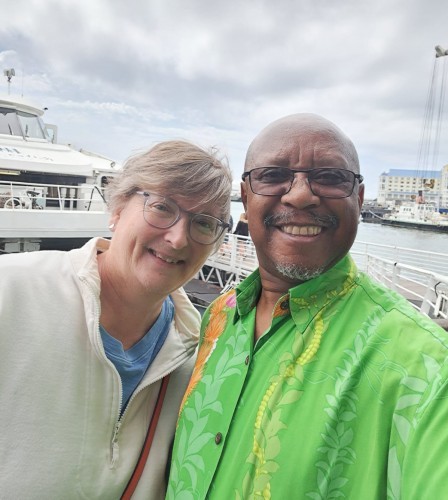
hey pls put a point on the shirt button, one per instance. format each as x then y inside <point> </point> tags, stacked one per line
<point>284,305</point>
<point>247,360</point>
<point>218,438</point>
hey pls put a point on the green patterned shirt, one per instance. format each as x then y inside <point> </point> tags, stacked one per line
<point>344,396</point>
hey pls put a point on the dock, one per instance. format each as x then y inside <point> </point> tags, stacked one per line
<point>201,293</point>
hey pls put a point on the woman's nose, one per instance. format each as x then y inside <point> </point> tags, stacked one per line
<point>177,235</point>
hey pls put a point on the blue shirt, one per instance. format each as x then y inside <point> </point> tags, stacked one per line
<point>132,363</point>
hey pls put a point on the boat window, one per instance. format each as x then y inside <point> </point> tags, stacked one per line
<point>31,126</point>
<point>46,131</point>
<point>9,124</point>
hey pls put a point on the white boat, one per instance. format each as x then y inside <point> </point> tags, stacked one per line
<point>51,195</point>
<point>235,195</point>
<point>418,215</point>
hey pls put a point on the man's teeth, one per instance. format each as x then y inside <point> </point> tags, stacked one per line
<point>302,230</point>
<point>166,259</point>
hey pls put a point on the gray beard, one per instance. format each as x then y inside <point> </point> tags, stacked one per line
<point>298,273</point>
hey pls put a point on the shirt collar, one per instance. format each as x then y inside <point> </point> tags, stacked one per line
<point>306,298</point>
<point>247,293</point>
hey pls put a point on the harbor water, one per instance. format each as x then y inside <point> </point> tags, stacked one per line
<point>385,235</point>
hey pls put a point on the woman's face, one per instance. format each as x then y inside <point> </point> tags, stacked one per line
<point>156,260</point>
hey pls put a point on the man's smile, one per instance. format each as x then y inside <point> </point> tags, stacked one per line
<point>295,223</point>
<point>301,230</point>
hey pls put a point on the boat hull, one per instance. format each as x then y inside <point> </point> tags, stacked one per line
<point>438,228</point>
<point>28,230</point>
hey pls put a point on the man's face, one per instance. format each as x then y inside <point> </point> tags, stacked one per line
<point>300,235</point>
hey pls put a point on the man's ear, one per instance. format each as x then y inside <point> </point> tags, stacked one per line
<point>361,195</point>
<point>244,195</point>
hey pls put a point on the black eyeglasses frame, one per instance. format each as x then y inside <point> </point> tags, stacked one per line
<point>306,171</point>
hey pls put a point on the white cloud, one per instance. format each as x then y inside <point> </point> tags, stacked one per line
<point>118,76</point>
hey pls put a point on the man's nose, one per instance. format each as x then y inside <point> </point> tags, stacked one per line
<point>300,194</point>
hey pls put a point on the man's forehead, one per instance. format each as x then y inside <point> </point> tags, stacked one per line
<point>281,150</point>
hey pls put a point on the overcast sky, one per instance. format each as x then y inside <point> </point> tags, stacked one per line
<point>120,76</point>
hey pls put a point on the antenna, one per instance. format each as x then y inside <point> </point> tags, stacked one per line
<point>440,51</point>
<point>9,73</point>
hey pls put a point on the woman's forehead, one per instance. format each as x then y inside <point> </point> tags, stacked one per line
<point>193,203</point>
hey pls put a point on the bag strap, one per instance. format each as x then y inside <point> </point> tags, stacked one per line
<point>133,481</point>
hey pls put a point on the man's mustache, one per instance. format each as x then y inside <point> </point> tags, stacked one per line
<point>330,221</point>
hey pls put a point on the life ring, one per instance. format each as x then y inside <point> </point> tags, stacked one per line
<point>12,203</point>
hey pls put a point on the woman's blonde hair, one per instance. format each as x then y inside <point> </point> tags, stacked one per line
<point>175,168</point>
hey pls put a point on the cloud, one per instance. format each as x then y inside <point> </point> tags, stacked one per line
<point>122,75</point>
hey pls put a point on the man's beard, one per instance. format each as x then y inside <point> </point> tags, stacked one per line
<point>298,273</point>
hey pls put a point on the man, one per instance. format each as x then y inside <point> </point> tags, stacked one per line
<point>312,381</point>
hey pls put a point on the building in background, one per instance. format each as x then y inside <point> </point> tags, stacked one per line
<point>401,186</point>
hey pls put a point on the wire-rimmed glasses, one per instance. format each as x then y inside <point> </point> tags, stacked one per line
<point>162,212</point>
<point>325,182</point>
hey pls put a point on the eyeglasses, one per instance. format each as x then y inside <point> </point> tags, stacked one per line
<point>325,182</point>
<point>163,213</point>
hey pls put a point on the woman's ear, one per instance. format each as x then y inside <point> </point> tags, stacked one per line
<point>113,221</point>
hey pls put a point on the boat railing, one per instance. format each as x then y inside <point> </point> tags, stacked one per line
<point>235,259</point>
<point>435,262</point>
<point>374,215</point>
<point>37,196</point>
<point>426,291</point>
<point>418,275</point>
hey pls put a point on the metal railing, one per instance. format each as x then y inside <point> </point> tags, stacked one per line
<point>235,259</point>
<point>420,276</point>
<point>37,196</point>
<point>431,261</point>
<point>426,291</point>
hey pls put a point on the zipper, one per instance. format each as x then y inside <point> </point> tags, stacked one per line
<point>115,449</point>
<point>114,446</point>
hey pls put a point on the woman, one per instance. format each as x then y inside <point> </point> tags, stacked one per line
<point>88,335</point>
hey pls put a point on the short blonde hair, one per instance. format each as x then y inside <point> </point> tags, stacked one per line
<point>175,168</point>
